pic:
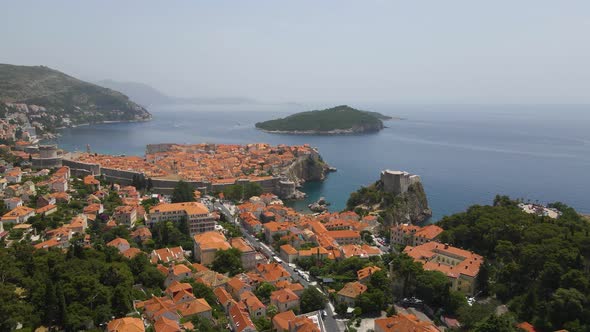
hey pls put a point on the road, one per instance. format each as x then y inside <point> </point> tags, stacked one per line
<point>329,322</point>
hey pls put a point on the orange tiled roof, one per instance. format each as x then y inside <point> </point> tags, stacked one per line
<point>428,252</point>
<point>353,289</point>
<point>402,322</point>
<point>126,324</point>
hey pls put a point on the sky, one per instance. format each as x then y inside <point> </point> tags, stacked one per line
<point>411,51</point>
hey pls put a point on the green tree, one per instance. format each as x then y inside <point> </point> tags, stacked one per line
<point>228,261</point>
<point>183,192</point>
<point>312,299</point>
<point>496,323</point>
<point>264,290</point>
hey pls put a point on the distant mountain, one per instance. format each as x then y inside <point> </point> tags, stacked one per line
<point>64,99</point>
<point>147,95</point>
<point>339,120</point>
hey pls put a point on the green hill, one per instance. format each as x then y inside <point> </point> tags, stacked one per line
<point>337,120</point>
<point>67,100</point>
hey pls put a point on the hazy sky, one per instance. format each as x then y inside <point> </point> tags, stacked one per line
<point>411,51</point>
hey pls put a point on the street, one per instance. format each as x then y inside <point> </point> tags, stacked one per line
<point>330,323</point>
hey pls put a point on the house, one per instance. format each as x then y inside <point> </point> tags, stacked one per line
<point>344,237</point>
<point>412,235</point>
<point>255,307</point>
<point>119,243</point>
<point>14,175</point>
<point>207,244</point>
<point>13,202</point>
<point>141,234</point>
<point>126,324</point>
<point>95,208</point>
<point>280,322</point>
<point>197,307</point>
<point>61,197</point>
<point>223,297</point>
<point>91,182</point>
<point>59,185</point>
<point>460,266</point>
<point>274,228</point>
<point>350,292</point>
<point>288,253</point>
<point>403,322</point>
<point>199,219</point>
<point>177,272</point>
<point>361,251</point>
<point>125,215</point>
<point>239,318</point>
<point>167,255</point>
<point>164,324</point>
<point>79,224</point>
<point>46,210</point>
<point>236,287</point>
<point>284,299</point>
<point>272,272</point>
<point>364,275</point>
<point>44,200</point>
<point>131,252</point>
<point>248,256</point>
<point>18,215</point>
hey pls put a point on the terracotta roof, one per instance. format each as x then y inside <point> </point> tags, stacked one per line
<point>352,289</point>
<point>194,307</point>
<point>126,324</point>
<point>164,324</point>
<point>526,326</point>
<point>289,249</point>
<point>282,319</point>
<point>429,232</point>
<point>427,254</point>
<point>117,242</point>
<point>404,323</point>
<point>211,240</point>
<point>367,272</point>
<point>240,317</point>
<point>188,207</point>
<point>283,296</point>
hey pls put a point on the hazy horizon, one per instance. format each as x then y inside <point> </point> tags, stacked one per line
<point>463,52</point>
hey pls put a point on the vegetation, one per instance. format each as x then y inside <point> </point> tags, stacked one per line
<point>183,192</point>
<point>336,118</point>
<point>171,234</point>
<point>75,289</point>
<point>65,96</point>
<point>312,299</point>
<point>538,265</point>
<point>238,192</point>
<point>228,261</point>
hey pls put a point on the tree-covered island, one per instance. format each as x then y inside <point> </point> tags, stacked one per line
<point>339,120</point>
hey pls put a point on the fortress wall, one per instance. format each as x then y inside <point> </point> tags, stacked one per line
<point>154,148</point>
<point>117,173</point>
<point>40,163</point>
<point>78,165</point>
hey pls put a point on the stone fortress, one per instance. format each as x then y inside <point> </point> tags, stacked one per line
<point>398,182</point>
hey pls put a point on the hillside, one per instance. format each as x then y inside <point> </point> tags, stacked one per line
<point>64,100</point>
<point>337,120</point>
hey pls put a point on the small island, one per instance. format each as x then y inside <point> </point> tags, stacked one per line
<point>339,120</point>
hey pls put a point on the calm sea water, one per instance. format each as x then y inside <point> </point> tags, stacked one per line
<point>464,154</point>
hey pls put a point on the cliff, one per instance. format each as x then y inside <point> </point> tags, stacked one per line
<point>407,207</point>
<point>307,168</point>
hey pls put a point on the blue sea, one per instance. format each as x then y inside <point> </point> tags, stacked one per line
<point>465,154</point>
